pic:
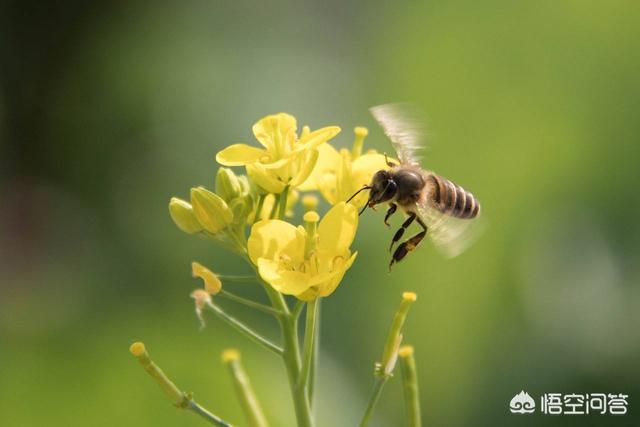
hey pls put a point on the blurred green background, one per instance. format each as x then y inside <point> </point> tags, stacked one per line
<point>107,109</point>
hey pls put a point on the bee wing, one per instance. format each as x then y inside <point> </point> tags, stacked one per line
<point>403,126</point>
<point>450,235</point>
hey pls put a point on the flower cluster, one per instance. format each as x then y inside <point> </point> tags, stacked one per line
<point>247,212</point>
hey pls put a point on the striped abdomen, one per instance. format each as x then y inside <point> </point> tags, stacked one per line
<point>451,199</point>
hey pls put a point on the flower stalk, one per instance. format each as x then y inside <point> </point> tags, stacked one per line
<point>410,386</point>
<point>310,337</point>
<point>179,398</point>
<point>247,397</point>
<point>383,370</point>
<point>244,329</point>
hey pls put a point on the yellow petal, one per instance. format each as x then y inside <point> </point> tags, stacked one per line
<point>239,155</point>
<point>268,129</point>
<point>331,285</point>
<point>308,163</point>
<point>212,283</point>
<point>265,179</point>
<point>283,280</point>
<point>364,167</point>
<point>328,161</point>
<point>272,238</point>
<point>337,229</point>
<point>317,137</point>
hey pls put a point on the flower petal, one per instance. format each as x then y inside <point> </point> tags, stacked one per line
<point>239,155</point>
<point>328,158</point>
<point>281,279</point>
<point>330,286</point>
<point>264,179</point>
<point>272,238</point>
<point>364,167</point>
<point>317,137</point>
<point>308,163</point>
<point>275,126</point>
<point>337,229</point>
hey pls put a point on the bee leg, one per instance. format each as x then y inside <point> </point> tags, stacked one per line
<point>400,231</point>
<point>408,245</point>
<point>391,211</point>
<point>386,159</point>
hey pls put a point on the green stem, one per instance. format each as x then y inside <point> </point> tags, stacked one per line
<point>290,353</point>
<point>314,364</point>
<point>309,343</point>
<point>410,385</point>
<point>248,400</point>
<point>373,400</point>
<point>193,406</point>
<point>249,303</point>
<point>291,358</point>
<point>282,203</point>
<point>179,398</point>
<point>247,331</point>
<point>261,198</point>
<point>274,208</point>
<point>297,309</point>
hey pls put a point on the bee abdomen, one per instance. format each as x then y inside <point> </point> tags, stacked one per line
<point>451,199</point>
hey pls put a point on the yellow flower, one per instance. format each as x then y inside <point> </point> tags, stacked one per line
<point>307,262</point>
<point>339,174</point>
<point>285,158</point>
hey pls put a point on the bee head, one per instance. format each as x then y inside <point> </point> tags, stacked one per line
<point>383,188</point>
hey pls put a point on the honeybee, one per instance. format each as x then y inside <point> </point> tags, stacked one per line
<point>443,209</point>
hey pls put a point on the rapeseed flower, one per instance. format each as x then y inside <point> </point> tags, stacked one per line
<point>339,174</point>
<point>286,160</point>
<point>307,262</point>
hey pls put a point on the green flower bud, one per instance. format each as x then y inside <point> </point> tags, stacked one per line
<point>228,185</point>
<point>182,214</point>
<point>241,208</point>
<point>211,211</point>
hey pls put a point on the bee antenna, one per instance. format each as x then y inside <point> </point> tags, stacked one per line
<point>366,187</point>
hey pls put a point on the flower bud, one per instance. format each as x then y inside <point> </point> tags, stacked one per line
<point>211,211</point>
<point>227,184</point>
<point>241,208</point>
<point>183,216</point>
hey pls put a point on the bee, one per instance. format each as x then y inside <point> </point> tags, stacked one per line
<point>443,209</point>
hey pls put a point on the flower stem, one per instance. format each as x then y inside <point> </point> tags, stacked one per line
<point>247,331</point>
<point>194,407</point>
<point>248,400</point>
<point>181,399</point>
<point>292,364</point>
<point>282,202</point>
<point>261,198</point>
<point>316,349</point>
<point>249,303</point>
<point>309,343</point>
<point>373,400</point>
<point>410,385</point>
